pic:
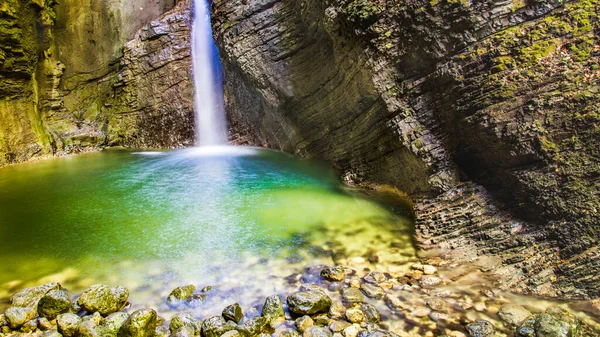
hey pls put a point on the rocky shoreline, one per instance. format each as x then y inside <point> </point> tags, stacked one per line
<point>328,301</point>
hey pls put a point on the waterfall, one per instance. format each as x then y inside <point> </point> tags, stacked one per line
<point>211,128</point>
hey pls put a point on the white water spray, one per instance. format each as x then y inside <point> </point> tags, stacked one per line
<point>211,128</point>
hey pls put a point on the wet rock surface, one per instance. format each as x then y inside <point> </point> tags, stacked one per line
<point>103,299</point>
<point>416,94</point>
<point>406,311</point>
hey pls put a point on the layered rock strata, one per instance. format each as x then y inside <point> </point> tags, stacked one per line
<point>78,77</point>
<point>427,95</point>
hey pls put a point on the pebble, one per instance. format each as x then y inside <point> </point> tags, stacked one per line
<point>437,304</point>
<point>513,314</point>
<point>479,306</point>
<point>303,323</point>
<point>352,295</point>
<point>337,310</point>
<point>428,281</point>
<point>429,270</point>
<point>355,315</point>
<point>351,331</point>
<point>372,291</point>
<point>421,312</point>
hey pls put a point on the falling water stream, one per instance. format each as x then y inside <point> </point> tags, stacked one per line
<point>245,221</point>
<point>209,111</point>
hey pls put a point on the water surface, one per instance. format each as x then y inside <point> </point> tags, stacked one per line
<point>233,218</point>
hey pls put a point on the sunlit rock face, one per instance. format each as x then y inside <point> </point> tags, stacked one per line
<point>427,95</point>
<point>77,77</point>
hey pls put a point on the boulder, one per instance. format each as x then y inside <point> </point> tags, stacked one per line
<point>273,308</point>
<point>547,325</point>
<point>179,294</point>
<point>113,322</point>
<point>53,303</point>
<point>30,297</point>
<point>334,274</point>
<point>308,302</point>
<point>233,312</point>
<point>215,326</point>
<point>141,323</point>
<point>68,324</point>
<point>17,316</point>
<point>103,299</point>
<point>187,322</point>
<point>251,327</point>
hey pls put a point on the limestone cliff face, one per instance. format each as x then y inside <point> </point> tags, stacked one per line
<point>79,76</point>
<point>439,98</point>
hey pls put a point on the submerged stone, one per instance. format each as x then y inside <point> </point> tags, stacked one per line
<point>355,315</point>
<point>481,328</point>
<point>372,291</point>
<point>103,299</point>
<point>179,294</point>
<point>308,302</point>
<point>375,277</point>
<point>141,323</point>
<point>371,313</point>
<point>55,302</point>
<point>334,274</point>
<point>513,313</point>
<point>352,295</point>
<point>527,328</point>
<point>233,312</point>
<point>17,316</point>
<point>195,300</point>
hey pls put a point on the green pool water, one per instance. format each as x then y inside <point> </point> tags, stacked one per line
<point>228,216</point>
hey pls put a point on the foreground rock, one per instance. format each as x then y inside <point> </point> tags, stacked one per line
<point>30,297</point>
<point>309,302</point>
<point>103,299</point>
<point>142,323</point>
<point>180,294</point>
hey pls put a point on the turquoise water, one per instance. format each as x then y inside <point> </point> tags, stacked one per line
<point>197,215</point>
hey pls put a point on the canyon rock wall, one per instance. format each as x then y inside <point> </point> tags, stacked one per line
<point>485,111</point>
<point>76,77</point>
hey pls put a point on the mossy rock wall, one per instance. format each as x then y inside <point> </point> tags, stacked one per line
<point>439,98</point>
<point>68,83</point>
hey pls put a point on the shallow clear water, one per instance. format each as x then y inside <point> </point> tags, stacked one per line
<point>154,220</point>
